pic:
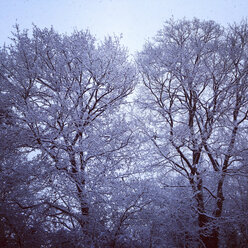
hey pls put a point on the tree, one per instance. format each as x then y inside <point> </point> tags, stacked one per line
<point>195,78</point>
<point>67,92</point>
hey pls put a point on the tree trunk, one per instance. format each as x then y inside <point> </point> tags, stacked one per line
<point>80,184</point>
<point>209,238</point>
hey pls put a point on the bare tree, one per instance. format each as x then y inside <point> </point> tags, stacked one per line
<point>195,79</point>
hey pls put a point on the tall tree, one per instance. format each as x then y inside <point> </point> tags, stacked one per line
<point>67,91</point>
<point>194,75</point>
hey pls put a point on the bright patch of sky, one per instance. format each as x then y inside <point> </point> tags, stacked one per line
<point>136,20</point>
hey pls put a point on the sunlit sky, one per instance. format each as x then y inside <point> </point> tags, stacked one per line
<point>136,20</point>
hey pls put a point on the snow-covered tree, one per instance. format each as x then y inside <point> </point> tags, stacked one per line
<point>195,91</point>
<point>66,92</point>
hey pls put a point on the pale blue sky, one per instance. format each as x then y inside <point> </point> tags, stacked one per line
<point>135,19</point>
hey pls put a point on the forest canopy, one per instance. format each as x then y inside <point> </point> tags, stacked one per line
<point>100,150</point>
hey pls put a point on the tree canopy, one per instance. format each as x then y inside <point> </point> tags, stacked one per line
<point>98,150</point>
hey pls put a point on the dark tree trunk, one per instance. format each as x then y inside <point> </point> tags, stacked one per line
<point>80,184</point>
<point>208,237</point>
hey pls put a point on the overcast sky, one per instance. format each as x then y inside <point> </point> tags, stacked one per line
<point>135,19</point>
